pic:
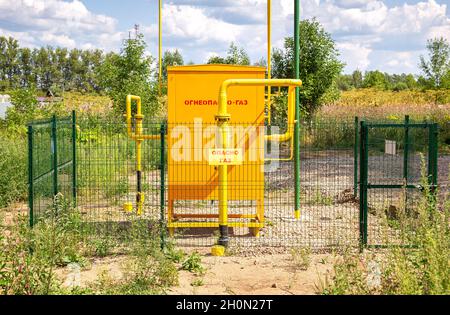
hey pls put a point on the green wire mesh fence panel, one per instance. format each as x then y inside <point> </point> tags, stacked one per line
<point>50,163</point>
<point>65,158</point>
<point>106,176</point>
<point>397,158</point>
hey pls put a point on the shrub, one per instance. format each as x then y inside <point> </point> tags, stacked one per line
<point>13,161</point>
<point>423,267</point>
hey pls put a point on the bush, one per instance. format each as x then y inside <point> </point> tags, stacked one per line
<point>25,107</point>
<point>29,256</point>
<point>422,268</point>
<point>13,162</point>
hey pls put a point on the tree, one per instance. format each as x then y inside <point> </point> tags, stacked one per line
<point>9,63</point>
<point>438,64</point>
<point>375,79</point>
<point>410,81</point>
<point>171,59</point>
<point>235,56</point>
<point>357,78</point>
<point>24,107</point>
<point>129,73</point>
<point>261,62</point>
<point>27,78</point>
<point>344,82</point>
<point>319,65</point>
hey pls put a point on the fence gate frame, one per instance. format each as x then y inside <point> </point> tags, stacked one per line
<point>365,185</point>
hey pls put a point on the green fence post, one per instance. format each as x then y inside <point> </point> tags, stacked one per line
<point>55,156</point>
<point>30,175</point>
<point>433,157</point>
<point>406,150</point>
<point>162,186</point>
<point>74,158</point>
<point>363,183</point>
<point>355,155</point>
<point>297,107</point>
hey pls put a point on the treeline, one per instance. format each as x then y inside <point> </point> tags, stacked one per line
<point>435,69</point>
<point>48,68</point>
<point>379,80</point>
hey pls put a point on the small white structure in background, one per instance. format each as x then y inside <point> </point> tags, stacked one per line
<point>390,147</point>
<point>5,102</point>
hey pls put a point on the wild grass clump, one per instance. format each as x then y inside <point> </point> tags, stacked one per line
<point>420,266</point>
<point>29,256</point>
<point>13,161</point>
<point>148,270</point>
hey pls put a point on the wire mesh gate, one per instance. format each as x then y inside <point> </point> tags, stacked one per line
<point>51,163</point>
<point>94,163</point>
<point>393,162</point>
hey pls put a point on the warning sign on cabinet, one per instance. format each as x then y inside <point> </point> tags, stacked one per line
<point>225,156</point>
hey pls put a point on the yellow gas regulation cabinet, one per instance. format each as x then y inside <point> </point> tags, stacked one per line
<point>198,151</point>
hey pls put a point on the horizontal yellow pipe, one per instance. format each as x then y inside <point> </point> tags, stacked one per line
<point>291,83</point>
<point>250,82</point>
<point>213,224</point>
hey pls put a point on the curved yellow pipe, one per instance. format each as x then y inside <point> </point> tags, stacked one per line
<point>138,135</point>
<point>291,83</point>
<point>269,60</point>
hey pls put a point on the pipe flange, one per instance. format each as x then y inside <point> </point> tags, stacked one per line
<point>223,117</point>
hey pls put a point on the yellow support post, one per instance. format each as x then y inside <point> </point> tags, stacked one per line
<point>269,60</point>
<point>160,45</point>
<point>138,137</point>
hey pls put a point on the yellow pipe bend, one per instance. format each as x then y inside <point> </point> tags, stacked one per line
<point>136,136</point>
<point>291,83</point>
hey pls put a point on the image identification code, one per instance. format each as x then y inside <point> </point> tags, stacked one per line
<point>225,304</point>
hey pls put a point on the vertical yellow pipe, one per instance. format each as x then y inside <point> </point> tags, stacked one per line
<point>140,196</point>
<point>223,186</point>
<point>160,46</point>
<point>269,57</point>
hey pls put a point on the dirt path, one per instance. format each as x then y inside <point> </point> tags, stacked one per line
<point>267,274</point>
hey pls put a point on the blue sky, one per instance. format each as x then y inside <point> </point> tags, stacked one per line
<point>388,35</point>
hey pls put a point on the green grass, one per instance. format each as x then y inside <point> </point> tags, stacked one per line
<point>29,257</point>
<point>193,263</point>
<point>13,159</point>
<point>423,268</point>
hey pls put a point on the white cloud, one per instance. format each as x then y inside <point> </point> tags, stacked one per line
<point>355,55</point>
<point>186,22</point>
<point>57,23</point>
<point>370,34</point>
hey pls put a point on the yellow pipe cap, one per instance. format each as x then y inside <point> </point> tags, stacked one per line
<point>218,250</point>
<point>128,207</point>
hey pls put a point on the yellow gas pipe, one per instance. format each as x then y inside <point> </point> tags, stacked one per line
<point>138,137</point>
<point>223,118</point>
<point>160,46</point>
<point>269,60</point>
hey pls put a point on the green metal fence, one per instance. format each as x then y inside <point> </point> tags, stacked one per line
<point>51,163</point>
<point>91,161</point>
